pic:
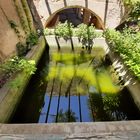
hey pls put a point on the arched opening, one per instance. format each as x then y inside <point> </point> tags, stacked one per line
<point>76,15</point>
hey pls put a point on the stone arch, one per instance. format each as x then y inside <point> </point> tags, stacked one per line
<point>75,6</point>
<point>109,12</point>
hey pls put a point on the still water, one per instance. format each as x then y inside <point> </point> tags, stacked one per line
<point>75,87</point>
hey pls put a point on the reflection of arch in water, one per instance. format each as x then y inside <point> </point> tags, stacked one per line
<point>88,16</point>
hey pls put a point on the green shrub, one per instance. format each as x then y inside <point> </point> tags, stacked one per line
<point>86,32</point>
<point>127,44</point>
<point>64,30</point>
<point>47,31</point>
<point>32,39</point>
<point>21,49</point>
<point>14,65</point>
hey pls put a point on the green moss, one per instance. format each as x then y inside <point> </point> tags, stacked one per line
<point>7,106</point>
<point>14,94</point>
<point>16,29</point>
<point>22,16</point>
<point>28,14</point>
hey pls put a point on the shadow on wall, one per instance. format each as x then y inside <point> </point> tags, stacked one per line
<point>48,7</point>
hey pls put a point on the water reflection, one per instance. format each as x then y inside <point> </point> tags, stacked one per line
<point>67,116</point>
<point>75,71</point>
<point>106,107</point>
<point>65,112</point>
<point>75,87</point>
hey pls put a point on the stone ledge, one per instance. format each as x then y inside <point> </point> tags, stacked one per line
<point>96,130</point>
<point>128,77</point>
<point>10,97</point>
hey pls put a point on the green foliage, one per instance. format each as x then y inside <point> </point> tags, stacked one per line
<point>111,102</point>
<point>21,49</point>
<point>127,44</point>
<point>134,7</point>
<point>135,13</point>
<point>16,29</point>
<point>16,83</point>
<point>86,32</point>
<point>67,30</point>
<point>16,64</point>
<point>22,17</point>
<point>32,39</point>
<point>13,24</point>
<point>64,30</point>
<point>130,2</point>
<point>27,65</point>
<point>47,31</point>
<point>28,14</point>
<point>63,116</point>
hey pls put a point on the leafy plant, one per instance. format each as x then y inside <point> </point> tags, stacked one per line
<point>130,2</point>
<point>47,31</point>
<point>14,65</point>
<point>21,49</point>
<point>135,13</point>
<point>86,34</point>
<point>28,14</point>
<point>16,29</point>
<point>13,24</point>
<point>127,45</point>
<point>22,17</point>
<point>64,30</point>
<point>27,65</point>
<point>32,39</point>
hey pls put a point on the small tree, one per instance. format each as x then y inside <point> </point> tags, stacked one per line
<point>86,34</point>
<point>64,30</point>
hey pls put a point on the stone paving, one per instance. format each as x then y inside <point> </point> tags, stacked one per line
<point>120,130</point>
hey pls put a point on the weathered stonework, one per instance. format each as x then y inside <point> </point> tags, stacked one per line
<point>121,130</point>
<point>9,37</point>
<point>11,96</point>
<point>108,13</point>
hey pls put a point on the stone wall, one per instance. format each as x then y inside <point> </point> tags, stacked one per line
<point>10,96</point>
<point>119,130</point>
<point>9,13</point>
